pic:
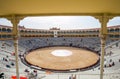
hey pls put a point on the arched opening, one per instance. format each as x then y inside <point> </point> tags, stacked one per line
<point>5,28</point>
<point>82,37</point>
<point>114,28</point>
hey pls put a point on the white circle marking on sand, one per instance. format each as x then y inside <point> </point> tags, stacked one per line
<point>61,53</point>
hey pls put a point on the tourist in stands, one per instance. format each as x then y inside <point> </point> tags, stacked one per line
<point>74,77</point>
<point>2,75</point>
<point>113,64</point>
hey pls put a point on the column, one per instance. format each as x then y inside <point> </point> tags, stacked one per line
<point>103,41</point>
<point>15,32</point>
<point>103,34</point>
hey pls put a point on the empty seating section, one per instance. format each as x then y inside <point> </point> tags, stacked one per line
<point>111,64</point>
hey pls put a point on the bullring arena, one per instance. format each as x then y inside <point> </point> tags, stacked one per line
<point>79,56</point>
<point>85,33</point>
<point>62,58</point>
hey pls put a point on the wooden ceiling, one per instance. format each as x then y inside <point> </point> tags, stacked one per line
<point>60,7</point>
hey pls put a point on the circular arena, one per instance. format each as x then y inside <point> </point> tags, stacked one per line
<point>63,61</point>
<point>29,45</point>
<point>62,58</point>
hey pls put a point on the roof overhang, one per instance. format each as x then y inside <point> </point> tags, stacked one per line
<point>59,7</point>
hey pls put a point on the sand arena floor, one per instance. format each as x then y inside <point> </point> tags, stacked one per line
<point>79,59</point>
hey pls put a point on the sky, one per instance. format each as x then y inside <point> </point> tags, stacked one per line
<point>62,22</point>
